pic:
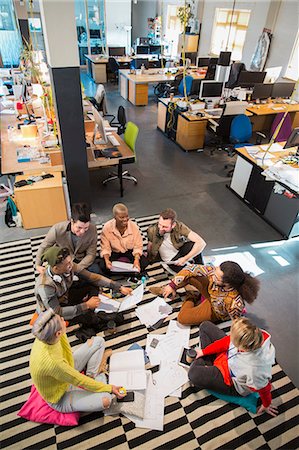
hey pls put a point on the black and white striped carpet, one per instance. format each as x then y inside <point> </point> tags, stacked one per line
<point>196,421</point>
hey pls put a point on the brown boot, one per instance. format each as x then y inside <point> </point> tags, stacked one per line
<point>103,365</point>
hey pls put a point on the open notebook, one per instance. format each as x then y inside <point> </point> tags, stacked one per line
<point>127,369</point>
<point>109,306</point>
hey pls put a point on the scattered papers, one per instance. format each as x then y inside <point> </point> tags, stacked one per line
<point>119,266</point>
<point>263,155</point>
<point>252,149</point>
<point>170,378</point>
<point>109,306</point>
<point>131,300</point>
<point>153,352</point>
<point>127,369</point>
<point>152,312</point>
<point>275,147</point>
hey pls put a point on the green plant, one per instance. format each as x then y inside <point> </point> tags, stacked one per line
<point>29,64</point>
<point>184,14</point>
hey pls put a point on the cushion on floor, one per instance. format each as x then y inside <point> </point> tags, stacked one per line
<point>37,410</point>
<point>249,402</point>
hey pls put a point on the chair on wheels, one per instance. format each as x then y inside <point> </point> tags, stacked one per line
<point>234,74</point>
<point>99,101</point>
<point>121,120</point>
<point>165,89</point>
<point>130,137</point>
<point>181,90</point>
<point>113,66</point>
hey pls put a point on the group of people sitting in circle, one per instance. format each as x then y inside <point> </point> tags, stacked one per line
<point>67,286</point>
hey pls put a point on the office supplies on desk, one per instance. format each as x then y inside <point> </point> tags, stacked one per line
<point>113,140</point>
<point>110,152</point>
<point>127,369</point>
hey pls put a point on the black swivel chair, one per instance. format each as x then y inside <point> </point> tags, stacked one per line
<point>234,74</point>
<point>113,67</point>
<point>121,120</point>
<point>163,90</point>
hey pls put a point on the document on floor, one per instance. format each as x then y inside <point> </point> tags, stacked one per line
<point>152,348</point>
<point>153,411</point>
<point>127,369</point>
<point>170,378</point>
<point>109,305</point>
<point>119,266</point>
<point>152,312</point>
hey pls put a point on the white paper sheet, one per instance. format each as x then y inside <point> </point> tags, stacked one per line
<point>170,378</point>
<point>131,300</point>
<point>275,147</point>
<point>127,369</point>
<point>153,411</point>
<point>107,304</point>
<point>152,312</point>
<point>245,259</point>
<point>153,353</point>
<point>119,266</point>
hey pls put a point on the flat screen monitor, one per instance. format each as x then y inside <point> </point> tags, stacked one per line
<point>272,74</point>
<point>283,90</point>
<point>142,50</point>
<point>224,59</point>
<point>262,90</point>
<point>137,63</point>
<point>210,89</point>
<point>144,41</point>
<point>155,49</point>
<point>249,79</point>
<point>117,51</point>
<point>99,127</point>
<point>293,140</point>
<point>203,61</point>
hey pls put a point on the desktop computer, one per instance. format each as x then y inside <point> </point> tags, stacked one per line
<point>202,61</point>
<point>293,140</point>
<point>262,91</point>
<point>117,51</point>
<point>99,127</point>
<point>211,91</point>
<point>142,50</point>
<point>248,79</point>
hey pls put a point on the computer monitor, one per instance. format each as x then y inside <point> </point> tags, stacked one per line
<point>210,89</point>
<point>272,74</point>
<point>262,91</point>
<point>142,50</point>
<point>293,140</point>
<point>283,90</point>
<point>117,51</point>
<point>202,61</point>
<point>143,40</point>
<point>224,59</point>
<point>155,49</point>
<point>137,63</point>
<point>249,79</point>
<point>100,127</point>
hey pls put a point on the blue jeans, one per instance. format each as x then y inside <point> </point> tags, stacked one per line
<point>89,356</point>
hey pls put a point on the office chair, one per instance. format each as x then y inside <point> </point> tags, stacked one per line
<point>188,81</point>
<point>234,74</point>
<point>165,89</point>
<point>130,137</point>
<point>121,120</point>
<point>99,101</point>
<point>113,67</point>
<point>210,75</point>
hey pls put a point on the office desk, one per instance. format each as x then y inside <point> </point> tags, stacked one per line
<point>135,87</point>
<point>257,193</point>
<point>190,131</point>
<point>127,157</point>
<point>263,115</point>
<point>97,66</point>
<point>9,161</point>
<point>41,204</point>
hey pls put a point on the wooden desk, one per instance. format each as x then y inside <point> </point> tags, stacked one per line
<point>135,87</point>
<point>97,66</point>
<point>263,115</point>
<point>190,131</point>
<point>41,204</point>
<point>257,193</point>
<point>9,161</point>
<point>127,157</point>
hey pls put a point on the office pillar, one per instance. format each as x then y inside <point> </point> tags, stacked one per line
<point>59,27</point>
<point>22,17</point>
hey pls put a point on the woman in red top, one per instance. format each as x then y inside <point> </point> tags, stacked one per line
<point>237,364</point>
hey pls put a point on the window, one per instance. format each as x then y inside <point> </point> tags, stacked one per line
<point>173,29</point>
<point>229,31</point>
<point>292,69</point>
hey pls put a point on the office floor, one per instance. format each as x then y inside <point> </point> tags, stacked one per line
<point>195,185</point>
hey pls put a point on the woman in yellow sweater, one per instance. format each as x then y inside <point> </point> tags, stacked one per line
<point>55,371</point>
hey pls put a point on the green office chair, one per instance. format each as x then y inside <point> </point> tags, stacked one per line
<point>130,137</point>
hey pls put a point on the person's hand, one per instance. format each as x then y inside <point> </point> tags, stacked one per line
<point>199,353</point>
<point>93,302</point>
<point>40,269</point>
<point>272,410</point>
<point>108,264</point>
<point>167,291</point>
<point>126,290</point>
<point>136,264</point>
<point>115,391</point>
<point>180,262</point>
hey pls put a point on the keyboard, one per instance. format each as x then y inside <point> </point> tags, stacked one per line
<point>113,140</point>
<point>216,112</point>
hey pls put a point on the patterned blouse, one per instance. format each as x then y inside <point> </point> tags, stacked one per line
<point>226,302</point>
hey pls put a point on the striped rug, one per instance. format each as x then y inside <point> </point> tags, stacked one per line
<point>196,421</point>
